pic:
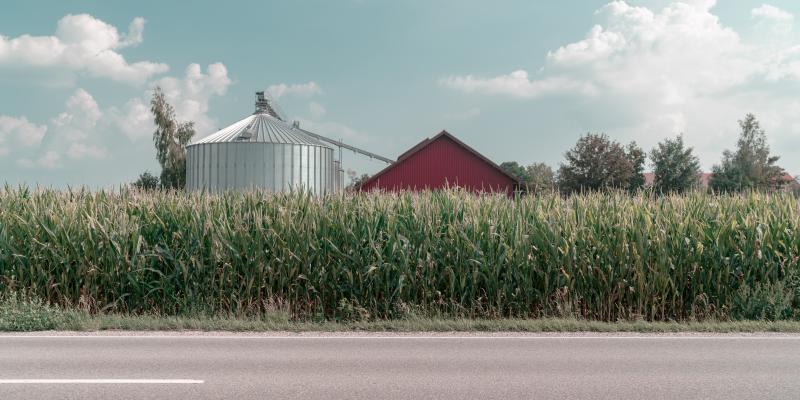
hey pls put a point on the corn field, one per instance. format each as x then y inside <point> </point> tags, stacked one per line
<point>598,256</point>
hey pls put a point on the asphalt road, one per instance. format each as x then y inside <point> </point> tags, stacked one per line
<point>236,367</point>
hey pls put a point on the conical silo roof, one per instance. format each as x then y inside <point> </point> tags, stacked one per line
<point>263,126</point>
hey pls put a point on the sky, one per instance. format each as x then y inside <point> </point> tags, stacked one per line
<point>516,80</point>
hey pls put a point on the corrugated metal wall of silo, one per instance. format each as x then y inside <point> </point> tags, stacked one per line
<point>336,176</point>
<point>223,166</point>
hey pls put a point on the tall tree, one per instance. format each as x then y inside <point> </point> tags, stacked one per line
<point>637,158</point>
<point>170,139</point>
<point>540,177</point>
<point>513,168</point>
<point>675,166</point>
<point>751,166</point>
<point>596,162</point>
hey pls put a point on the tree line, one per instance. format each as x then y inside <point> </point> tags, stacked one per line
<point>597,162</point>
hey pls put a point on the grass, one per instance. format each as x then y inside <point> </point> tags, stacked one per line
<point>21,314</point>
<point>432,325</point>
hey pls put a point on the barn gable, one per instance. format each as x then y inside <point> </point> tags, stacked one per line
<point>438,162</point>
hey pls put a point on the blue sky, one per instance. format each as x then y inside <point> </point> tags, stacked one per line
<point>517,80</point>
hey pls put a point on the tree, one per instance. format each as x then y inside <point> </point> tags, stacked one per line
<point>596,162</point>
<point>535,178</point>
<point>170,139</point>
<point>355,180</point>
<point>749,167</point>
<point>540,177</point>
<point>637,158</point>
<point>513,168</point>
<point>675,167</point>
<point>147,181</point>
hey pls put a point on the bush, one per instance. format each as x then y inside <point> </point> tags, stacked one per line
<point>771,301</point>
<point>147,181</point>
<point>20,313</point>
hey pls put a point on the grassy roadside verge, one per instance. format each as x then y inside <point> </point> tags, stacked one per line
<point>18,315</point>
<point>432,325</point>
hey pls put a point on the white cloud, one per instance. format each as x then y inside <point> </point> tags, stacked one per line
<point>598,44</point>
<point>648,74</point>
<point>72,131</point>
<point>777,23</point>
<point>50,160</point>
<point>20,131</point>
<point>317,110</point>
<point>83,130</point>
<point>134,120</point>
<point>79,151</point>
<point>298,89</point>
<point>190,95</point>
<point>699,5</point>
<point>681,51</point>
<point>80,118</point>
<point>135,34</point>
<point>517,84</point>
<point>25,163</point>
<point>771,12</point>
<point>82,43</point>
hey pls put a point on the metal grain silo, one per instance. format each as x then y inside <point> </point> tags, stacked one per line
<point>262,151</point>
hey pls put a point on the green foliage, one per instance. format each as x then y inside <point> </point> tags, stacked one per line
<point>537,177</point>
<point>596,256</point>
<point>20,313</point>
<point>767,301</point>
<point>636,157</point>
<point>751,166</point>
<point>675,167</point>
<point>147,181</point>
<point>541,178</point>
<point>170,139</point>
<point>598,163</point>
<point>513,168</point>
<point>351,311</point>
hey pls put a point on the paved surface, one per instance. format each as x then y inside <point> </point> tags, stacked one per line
<point>220,367</point>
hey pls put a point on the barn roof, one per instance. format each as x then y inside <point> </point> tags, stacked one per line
<point>425,143</point>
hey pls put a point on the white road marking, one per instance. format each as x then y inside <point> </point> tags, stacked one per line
<point>99,381</point>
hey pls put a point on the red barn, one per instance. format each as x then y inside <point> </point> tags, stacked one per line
<point>442,161</point>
